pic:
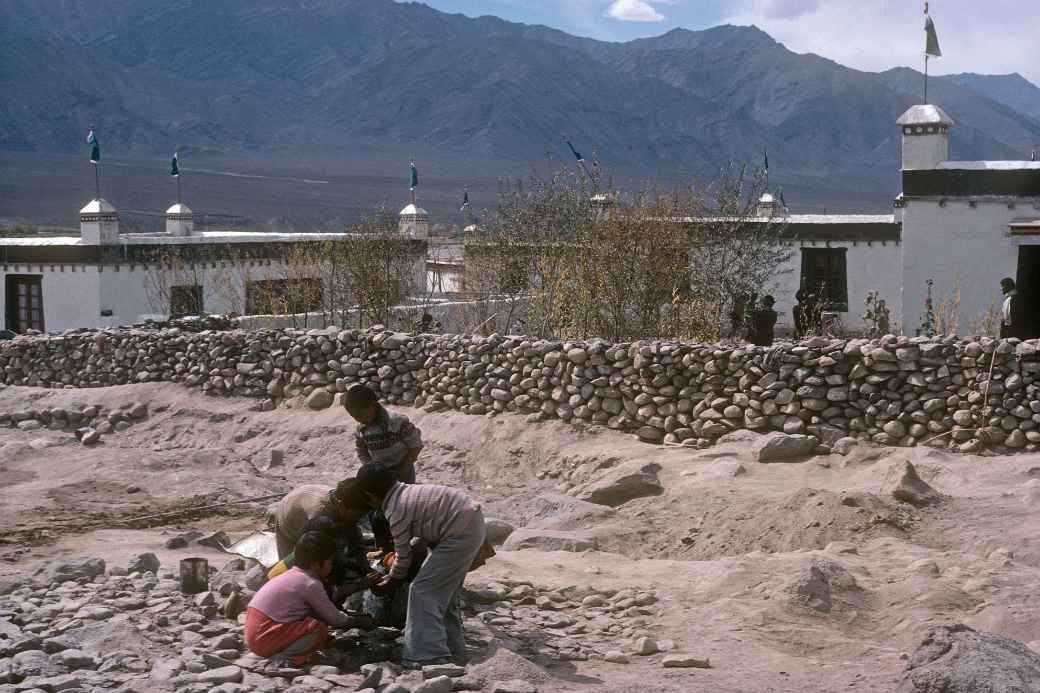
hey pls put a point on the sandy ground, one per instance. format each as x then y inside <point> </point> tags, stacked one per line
<point>720,546</point>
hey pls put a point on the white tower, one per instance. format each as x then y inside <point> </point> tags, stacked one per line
<point>768,207</point>
<point>414,222</point>
<point>180,221</point>
<point>98,223</point>
<point>603,204</point>
<point>926,138</point>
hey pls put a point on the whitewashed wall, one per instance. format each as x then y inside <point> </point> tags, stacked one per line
<point>874,267</point>
<point>960,247</point>
<point>70,295</point>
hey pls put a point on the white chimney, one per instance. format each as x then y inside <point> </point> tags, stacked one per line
<point>180,221</point>
<point>99,223</point>
<point>926,139</point>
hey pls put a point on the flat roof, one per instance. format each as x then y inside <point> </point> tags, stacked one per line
<point>989,165</point>
<point>840,219</point>
<point>161,238</point>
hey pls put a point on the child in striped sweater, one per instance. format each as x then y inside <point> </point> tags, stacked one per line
<point>451,525</point>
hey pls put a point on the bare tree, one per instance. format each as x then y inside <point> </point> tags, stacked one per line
<point>173,285</point>
<point>734,252</point>
<point>660,263</point>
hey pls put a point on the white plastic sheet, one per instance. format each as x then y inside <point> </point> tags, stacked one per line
<point>260,546</point>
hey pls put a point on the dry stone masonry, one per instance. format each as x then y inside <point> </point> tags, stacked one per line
<point>965,394</point>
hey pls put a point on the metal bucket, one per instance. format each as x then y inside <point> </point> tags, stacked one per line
<point>194,575</point>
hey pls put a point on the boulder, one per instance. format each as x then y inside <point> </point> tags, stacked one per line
<point>216,540</point>
<point>902,483</point>
<point>681,661</point>
<point>143,563</point>
<point>437,684</point>
<point>820,584</point>
<point>550,540</point>
<point>228,674</point>
<point>498,530</point>
<point>62,570</point>
<point>783,447</point>
<point>319,399</point>
<point>843,446</point>
<point>34,663</point>
<point>645,647</point>
<point>454,671</point>
<point>556,511</point>
<point>74,659</point>
<point>622,484</point>
<point>255,577</point>
<point>959,659</point>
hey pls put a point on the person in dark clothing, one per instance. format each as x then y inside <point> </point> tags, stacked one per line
<point>1012,317</point>
<point>750,306</point>
<point>801,315</point>
<point>764,323</point>
<point>737,315</point>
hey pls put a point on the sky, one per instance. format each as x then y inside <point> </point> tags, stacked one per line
<point>987,36</point>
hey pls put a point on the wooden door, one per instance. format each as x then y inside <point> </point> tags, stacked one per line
<point>24,303</point>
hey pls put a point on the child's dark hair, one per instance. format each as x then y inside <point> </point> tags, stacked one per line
<point>314,547</point>
<point>348,493</point>
<point>376,479</point>
<point>359,396</point>
<point>321,523</point>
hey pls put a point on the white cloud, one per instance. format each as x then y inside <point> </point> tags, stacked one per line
<point>880,34</point>
<point>633,11</point>
<point>789,9</point>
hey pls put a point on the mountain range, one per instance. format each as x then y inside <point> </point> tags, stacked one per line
<point>369,81</point>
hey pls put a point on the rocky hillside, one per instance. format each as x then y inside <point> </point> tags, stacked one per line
<point>347,78</point>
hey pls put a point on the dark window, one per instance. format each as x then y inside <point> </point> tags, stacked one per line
<point>282,296</point>
<point>824,276</point>
<point>24,302</point>
<point>185,300</point>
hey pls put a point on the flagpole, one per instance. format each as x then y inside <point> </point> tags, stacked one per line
<point>178,187</point>
<point>97,183</point>
<point>926,78</point>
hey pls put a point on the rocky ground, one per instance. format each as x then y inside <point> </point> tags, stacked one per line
<point>747,567</point>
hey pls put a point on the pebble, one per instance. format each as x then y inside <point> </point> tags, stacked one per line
<point>451,670</point>
<point>437,684</point>
<point>646,646</point>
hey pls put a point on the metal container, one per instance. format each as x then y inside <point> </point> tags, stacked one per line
<point>194,575</point>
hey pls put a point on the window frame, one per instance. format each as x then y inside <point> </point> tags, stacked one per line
<point>12,319</point>
<point>837,292</point>
<point>261,295</point>
<point>197,299</point>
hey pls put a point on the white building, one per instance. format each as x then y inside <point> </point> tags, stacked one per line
<point>966,225</point>
<point>104,278</point>
<point>841,259</point>
<point>961,225</point>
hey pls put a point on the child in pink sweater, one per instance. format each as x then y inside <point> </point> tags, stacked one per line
<point>289,617</point>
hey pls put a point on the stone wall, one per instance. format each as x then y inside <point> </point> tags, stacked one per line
<point>897,391</point>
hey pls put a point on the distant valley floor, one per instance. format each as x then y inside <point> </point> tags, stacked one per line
<point>280,193</point>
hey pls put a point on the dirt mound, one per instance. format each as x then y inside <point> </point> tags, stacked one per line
<point>804,576</point>
<point>807,519</point>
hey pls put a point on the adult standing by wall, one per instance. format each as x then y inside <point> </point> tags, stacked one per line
<point>1011,314</point>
